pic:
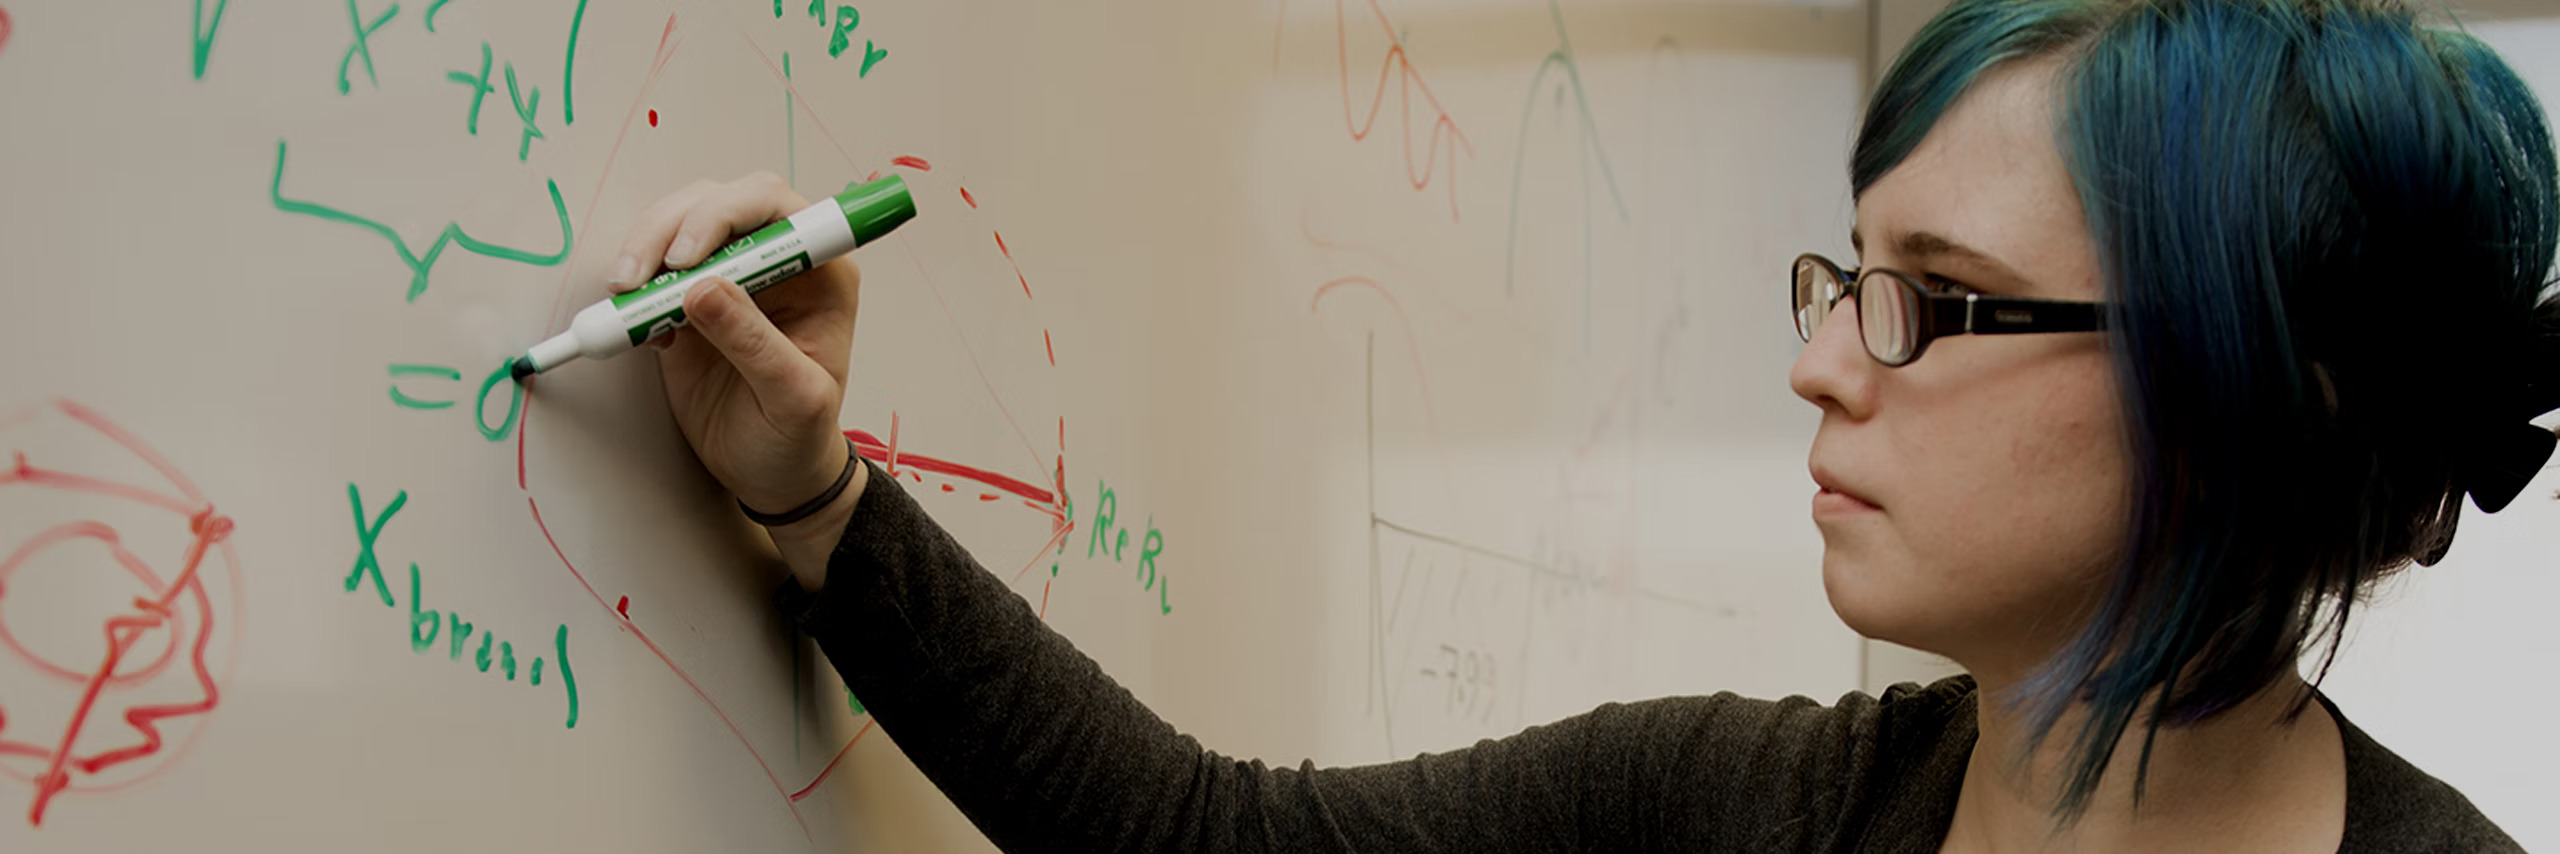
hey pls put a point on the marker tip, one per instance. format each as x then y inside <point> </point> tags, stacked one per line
<point>523,368</point>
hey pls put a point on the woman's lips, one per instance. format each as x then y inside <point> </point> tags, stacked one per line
<point>1830,502</point>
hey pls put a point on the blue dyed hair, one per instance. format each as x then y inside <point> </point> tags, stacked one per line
<point>2326,234</point>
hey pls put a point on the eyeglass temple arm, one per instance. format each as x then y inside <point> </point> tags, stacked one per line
<point>1975,314</point>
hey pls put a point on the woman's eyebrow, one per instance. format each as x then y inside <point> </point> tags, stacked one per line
<point>1925,246</point>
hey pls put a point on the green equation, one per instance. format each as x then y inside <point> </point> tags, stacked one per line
<point>413,387</point>
<point>1107,536</point>
<point>427,626</point>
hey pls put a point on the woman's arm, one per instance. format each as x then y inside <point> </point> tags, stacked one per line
<point>1044,752</point>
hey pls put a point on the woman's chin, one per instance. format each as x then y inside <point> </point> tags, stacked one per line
<point>1872,600</point>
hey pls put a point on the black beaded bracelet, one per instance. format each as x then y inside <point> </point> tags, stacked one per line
<point>852,457</point>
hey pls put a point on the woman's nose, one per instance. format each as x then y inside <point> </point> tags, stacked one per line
<point>1834,368</point>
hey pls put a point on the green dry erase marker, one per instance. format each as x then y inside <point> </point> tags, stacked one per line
<point>792,245</point>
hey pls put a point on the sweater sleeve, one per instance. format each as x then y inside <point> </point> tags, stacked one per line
<point>1042,751</point>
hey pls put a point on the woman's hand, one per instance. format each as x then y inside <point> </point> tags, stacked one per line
<point>756,392</point>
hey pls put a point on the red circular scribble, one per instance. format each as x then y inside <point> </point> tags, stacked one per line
<point>75,672</point>
<point>4,28</point>
<point>104,719</point>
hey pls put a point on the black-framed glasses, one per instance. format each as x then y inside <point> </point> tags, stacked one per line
<point>1898,315</point>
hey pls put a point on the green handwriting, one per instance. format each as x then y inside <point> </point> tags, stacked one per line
<point>361,47</point>
<point>847,18</point>
<point>1147,566</point>
<point>368,566</point>
<point>204,33</point>
<point>515,402</point>
<point>420,266</point>
<point>527,100</point>
<point>568,72</point>
<point>437,371</point>
<point>840,35</point>
<point>480,89</point>
<point>427,625</point>
<point>790,116</point>
<point>560,647</point>
<point>525,105</point>
<point>432,8</point>
<point>503,376</point>
<point>1106,509</point>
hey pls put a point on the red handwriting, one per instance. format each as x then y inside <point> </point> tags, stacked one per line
<point>179,609</point>
<point>653,118</point>
<point>4,28</point>
<point>871,448</point>
<point>1444,136</point>
<point>912,162</point>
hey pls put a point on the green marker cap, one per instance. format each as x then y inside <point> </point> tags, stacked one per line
<point>876,208</point>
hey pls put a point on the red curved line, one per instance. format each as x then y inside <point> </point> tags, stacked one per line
<point>912,162</point>
<point>970,350</point>
<point>1398,63</point>
<point>26,473</point>
<point>117,434</point>
<point>634,630</point>
<point>871,448</point>
<point>831,763</point>
<point>5,27</point>
<point>1412,342</point>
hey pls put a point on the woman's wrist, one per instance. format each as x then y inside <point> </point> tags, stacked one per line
<point>806,543</point>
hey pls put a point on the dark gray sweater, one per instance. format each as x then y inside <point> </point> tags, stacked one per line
<point>1045,753</point>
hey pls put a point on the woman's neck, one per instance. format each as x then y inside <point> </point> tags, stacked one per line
<point>2249,779</point>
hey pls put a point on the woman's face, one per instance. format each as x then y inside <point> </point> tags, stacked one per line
<point>1971,502</point>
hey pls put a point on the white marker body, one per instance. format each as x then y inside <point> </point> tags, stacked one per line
<point>816,235</point>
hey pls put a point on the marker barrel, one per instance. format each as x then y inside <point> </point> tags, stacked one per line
<point>793,245</point>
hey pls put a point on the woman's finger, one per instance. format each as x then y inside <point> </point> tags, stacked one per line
<point>793,390</point>
<point>727,211</point>
<point>650,233</point>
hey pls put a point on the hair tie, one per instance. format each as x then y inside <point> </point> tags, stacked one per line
<point>2499,460</point>
<point>853,458</point>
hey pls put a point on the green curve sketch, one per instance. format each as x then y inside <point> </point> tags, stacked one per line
<point>1560,58</point>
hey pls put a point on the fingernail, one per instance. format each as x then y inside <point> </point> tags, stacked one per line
<point>701,289</point>
<point>682,249</point>
<point>625,270</point>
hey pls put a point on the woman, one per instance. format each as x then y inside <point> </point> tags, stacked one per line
<point>2277,271</point>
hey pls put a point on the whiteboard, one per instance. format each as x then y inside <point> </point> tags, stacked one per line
<point>1435,350</point>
